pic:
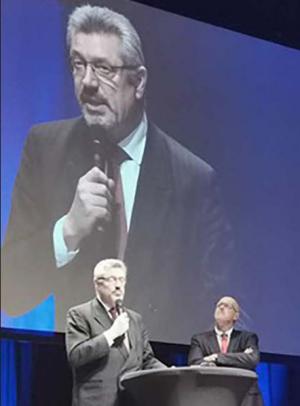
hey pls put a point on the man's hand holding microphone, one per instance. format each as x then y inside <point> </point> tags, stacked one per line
<point>120,325</point>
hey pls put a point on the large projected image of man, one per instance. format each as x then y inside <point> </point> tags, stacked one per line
<point>112,184</point>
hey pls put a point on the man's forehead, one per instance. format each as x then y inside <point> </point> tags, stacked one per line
<point>96,43</point>
<point>111,270</point>
<point>228,300</point>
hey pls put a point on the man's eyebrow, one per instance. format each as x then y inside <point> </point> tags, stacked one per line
<point>75,53</point>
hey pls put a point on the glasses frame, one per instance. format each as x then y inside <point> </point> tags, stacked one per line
<point>111,69</point>
<point>227,305</point>
<point>112,279</point>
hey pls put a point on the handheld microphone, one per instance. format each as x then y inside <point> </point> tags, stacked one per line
<point>119,306</point>
<point>99,154</point>
<point>99,159</point>
<point>99,148</point>
<point>119,309</point>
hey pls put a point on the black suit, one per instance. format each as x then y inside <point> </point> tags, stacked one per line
<point>204,344</point>
<point>97,367</point>
<point>179,242</point>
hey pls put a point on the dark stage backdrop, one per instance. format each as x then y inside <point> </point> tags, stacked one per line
<point>231,99</point>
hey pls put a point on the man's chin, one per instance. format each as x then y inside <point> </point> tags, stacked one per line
<point>96,118</point>
<point>118,297</point>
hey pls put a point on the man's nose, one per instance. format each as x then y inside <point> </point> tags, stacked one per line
<point>90,79</point>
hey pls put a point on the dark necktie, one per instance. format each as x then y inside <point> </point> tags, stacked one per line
<point>113,313</point>
<point>119,215</point>
<point>109,157</point>
<point>224,343</point>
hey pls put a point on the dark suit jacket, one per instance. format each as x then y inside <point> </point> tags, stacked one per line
<point>204,344</point>
<point>179,242</point>
<point>97,367</point>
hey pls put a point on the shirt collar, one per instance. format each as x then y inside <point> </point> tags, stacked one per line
<point>107,308</point>
<point>134,143</point>
<point>220,333</point>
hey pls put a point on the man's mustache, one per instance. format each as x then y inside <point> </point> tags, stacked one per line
<point>87,98</point>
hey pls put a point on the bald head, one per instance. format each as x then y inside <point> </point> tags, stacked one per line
<point>227,312</point>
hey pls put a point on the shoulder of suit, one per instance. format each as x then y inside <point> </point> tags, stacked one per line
<point>179,153</point>
<point>133,313</point>
<point>54,129</point>
<point>244,333</point>
<point>57,123</point>
<point>82,307</point>
<point>203,334</point>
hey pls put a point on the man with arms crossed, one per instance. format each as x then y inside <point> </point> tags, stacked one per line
<point>225,346</point>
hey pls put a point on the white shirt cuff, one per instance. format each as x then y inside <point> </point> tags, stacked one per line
<point>61,253</point>
<point>108,337</point>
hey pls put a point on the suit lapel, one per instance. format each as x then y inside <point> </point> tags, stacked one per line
<point>73,158</point>
<point>153,197</point>
<point>100,314</point>
<point>79,157</point>
<point>234,341</point>
<point>123,350</point>
<point>213,340</point>
<point>131,361</point>
<point>131,333</point>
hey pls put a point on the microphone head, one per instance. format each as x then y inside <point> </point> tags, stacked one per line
<point>98,154</point>
<point>119,305</point>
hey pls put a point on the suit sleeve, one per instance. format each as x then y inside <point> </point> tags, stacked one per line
<point>81,347</point>
<point>149,360</point>
<point>196,353</point>
<point>218,252</point>
<point>242,359</point>
<point>27,254</point>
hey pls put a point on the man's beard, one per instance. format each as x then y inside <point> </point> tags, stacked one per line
<point>96,119</point>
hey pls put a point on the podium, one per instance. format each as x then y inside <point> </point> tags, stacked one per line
<point>188,386</point>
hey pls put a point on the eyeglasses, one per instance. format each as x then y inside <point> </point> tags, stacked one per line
<point>112,279</point>
<point>226,305</point>
<point>101,69</point>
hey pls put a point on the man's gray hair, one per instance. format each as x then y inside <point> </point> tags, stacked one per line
<point>94,19</point>
<point>106,264</point>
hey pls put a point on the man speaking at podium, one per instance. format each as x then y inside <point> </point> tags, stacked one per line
<point>105,340</point>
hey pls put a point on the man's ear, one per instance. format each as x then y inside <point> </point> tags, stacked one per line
<point>140,80</point>
<point>236,316</point>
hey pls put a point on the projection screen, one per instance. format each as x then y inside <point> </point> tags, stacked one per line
<point>216,209</point>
